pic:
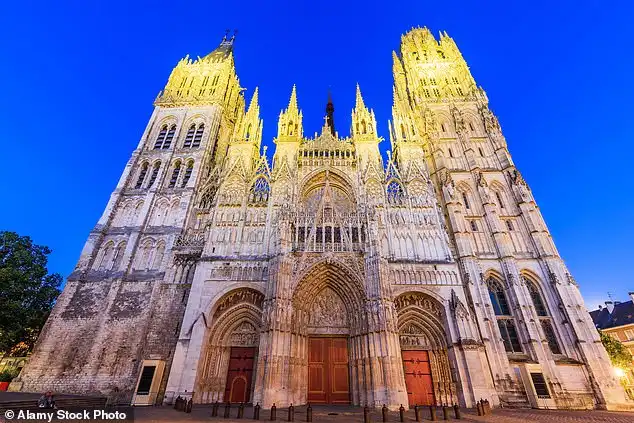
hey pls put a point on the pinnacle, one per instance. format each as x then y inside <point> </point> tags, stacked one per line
<point>359,103</point>
<point>292,103</point>
<point>254,100</point>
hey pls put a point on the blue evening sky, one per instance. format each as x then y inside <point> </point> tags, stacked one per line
<point>78,80</point>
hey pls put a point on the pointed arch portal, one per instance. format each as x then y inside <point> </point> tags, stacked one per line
<point>423,340</point>
<point>328,303</point>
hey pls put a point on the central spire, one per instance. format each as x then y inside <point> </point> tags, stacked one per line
<point>330,114</point>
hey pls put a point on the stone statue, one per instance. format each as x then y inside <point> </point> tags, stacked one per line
<point>449,189</point>
<point>485,191</point>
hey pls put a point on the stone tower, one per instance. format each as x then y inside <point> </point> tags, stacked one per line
<point>327,275</point>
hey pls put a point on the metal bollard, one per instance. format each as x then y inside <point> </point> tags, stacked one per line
<point>445,412</point>
<point>309,413</point>
<point>401,413</point>
<point>456,412</point>
<point>432,413</point>
<point>291,413</point>
<point>256,411</point>
<point>366,414</point>
<point>384,412</point>
<point>273,412</point>
<point>417,412</point>
<point>227,410</point>
<point>479,407</point>
<point>240,411</point>
<point>214,409</point>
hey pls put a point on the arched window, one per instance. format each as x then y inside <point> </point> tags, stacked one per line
<point>169,137</point>
<point>188,173</point>
<point>161,137</point>
<point>290,128</point>
<point>139,181</point>
<point>509,336</point>
<point>498,298</point>
<point>248,134</point>
<point>499,197</point>
<point>175,173</point>
<point>158,256</point>
<point>538,303</point>
<point>509,225</point>
<point>395,192</point>
<point>260,191</point>
<point>190,136</point>
<point>155,171</point>
<point>506,323</point>
<point>465,200</point>
<point>118,256</point>
<point>106,257</point>
<point>474,226</point>
<point>363,127</point>
<point>199,135</point>
<point>551,338</point>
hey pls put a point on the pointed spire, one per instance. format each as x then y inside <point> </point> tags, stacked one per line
<point>292,103</point>
<point>254,101</point>
<point>359,103</point>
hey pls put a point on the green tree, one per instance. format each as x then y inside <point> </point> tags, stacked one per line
<point>620,355</point>
<point>27,292</point>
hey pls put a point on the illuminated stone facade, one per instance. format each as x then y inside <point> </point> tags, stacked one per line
<point>206,247</point>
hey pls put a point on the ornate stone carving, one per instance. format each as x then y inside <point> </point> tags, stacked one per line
<point>245,335</point>
<point>413,336</point>
<point>244,295</point>
<point>520,186</point>
<point>328,311</point>
<point>419,300</point>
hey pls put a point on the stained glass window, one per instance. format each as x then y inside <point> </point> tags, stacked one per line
<point>260,191</point>
<point>395,193</point>
<point>498,299</point>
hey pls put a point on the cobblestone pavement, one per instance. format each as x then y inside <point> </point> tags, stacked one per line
<point>352,414</point>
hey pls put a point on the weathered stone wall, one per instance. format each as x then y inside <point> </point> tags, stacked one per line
<point>99,333</point>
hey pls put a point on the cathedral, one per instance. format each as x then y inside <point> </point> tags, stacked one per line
<point>326,274</point>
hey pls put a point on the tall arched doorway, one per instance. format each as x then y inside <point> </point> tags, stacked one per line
<point>423,343</point>
<point>329,319</point>
<point>230,351</point>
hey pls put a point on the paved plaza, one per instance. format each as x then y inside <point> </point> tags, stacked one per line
<point>355,414</point>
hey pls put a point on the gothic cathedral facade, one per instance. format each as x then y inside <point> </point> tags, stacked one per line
<point>328,274</point>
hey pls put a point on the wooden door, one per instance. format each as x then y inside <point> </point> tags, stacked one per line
<point>240,374</point>
<point>328,372</point>
<point>420,390</point>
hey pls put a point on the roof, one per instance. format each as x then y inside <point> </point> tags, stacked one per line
<point>623,314</point>
<point>223,51</point>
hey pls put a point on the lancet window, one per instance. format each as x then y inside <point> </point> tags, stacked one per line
<point>165,137</point>
<point>141,178</point>
<point>155,171</point>
<point>199,135</point>
<point>544,317</point>
<point>175,173</point>
<point>505,320</point>
<point>188,173</point>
